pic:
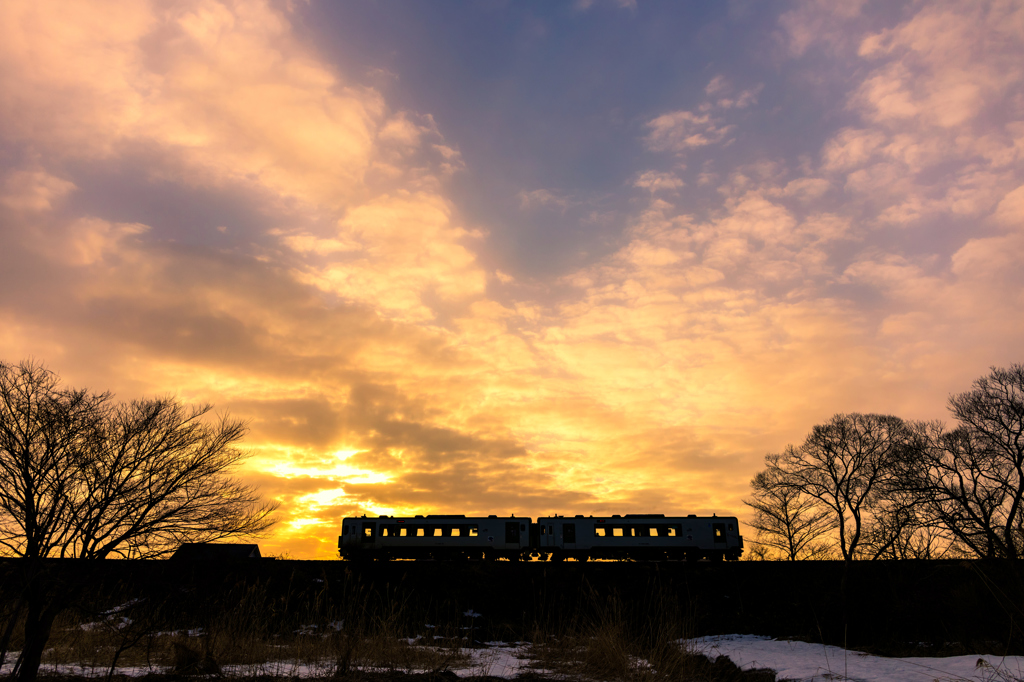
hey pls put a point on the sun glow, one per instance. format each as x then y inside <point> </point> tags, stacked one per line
<point>208,204</point>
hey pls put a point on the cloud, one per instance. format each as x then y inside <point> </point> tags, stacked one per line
<point>34,190</point>
<point>539,198</point>
<point>654,181</point>
<point>925,76</point>
<point>204,83</point>
<point>717,85</point>
<point>932,140</point>
<point>409,236</point>
<point>679,131</point>
<point>1010,211</point>
<point>585,5</point>
<point>741,100</point>
<point>806,189</point>
<point>991,257</point>
<point>812,22</point>
<point>387,362</point>
<point>851,148</point>
<point>287,326</point>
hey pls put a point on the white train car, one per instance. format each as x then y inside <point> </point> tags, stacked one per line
<point>435,537</point>
<point>649,537</point>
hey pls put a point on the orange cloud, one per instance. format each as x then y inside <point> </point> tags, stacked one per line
<point>350,314</point>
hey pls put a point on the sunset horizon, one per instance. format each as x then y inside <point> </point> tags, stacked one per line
<point>586,257</point>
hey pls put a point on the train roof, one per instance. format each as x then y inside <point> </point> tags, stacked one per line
<point>635,516</point>
<point>435,517</point>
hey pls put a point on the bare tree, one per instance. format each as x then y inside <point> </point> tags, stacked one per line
<point>786,519</point>
<point>970,479</point>
<point>900,526</point>
<point>845,464</point>
<point>992,412</point>
<point>84,477</point>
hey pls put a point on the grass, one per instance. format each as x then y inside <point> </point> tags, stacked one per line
<point>645,640</point>
<point>350,631</point>
<point>248,631</point>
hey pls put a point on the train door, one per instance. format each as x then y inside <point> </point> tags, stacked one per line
<point>512,533</point>
<point>369,530</point>
<point>569,535</point>
<point>547,535</point>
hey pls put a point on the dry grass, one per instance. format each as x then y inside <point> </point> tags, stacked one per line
<point>609,639</point>
<point>253,631</point>
<point>250,632</point>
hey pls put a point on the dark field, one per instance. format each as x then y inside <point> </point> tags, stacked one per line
<point>891,608</point>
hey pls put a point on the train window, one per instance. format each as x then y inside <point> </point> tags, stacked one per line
<point>617,531</point>
<point>419,532</point>
<point>383,531</point>
<point>473,531</point>
<point>599,532</point>
<point>456,532</point>
<point>543,529</point>
<point>522,527</point>
<point>369,530</point>
<point>652,532</point>
<point>344,530</point>
<point>551,530</point>
<point>402,532</point>
<point>438,532</point>
<point>675,530</point>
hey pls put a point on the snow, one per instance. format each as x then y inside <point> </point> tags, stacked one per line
<point>505,662</point>
<point>798,661</point>
<point>497,661</point>
<point>813,662</point>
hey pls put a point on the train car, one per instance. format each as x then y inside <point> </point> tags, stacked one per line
<point>435,537</point>
<point>644,537</point>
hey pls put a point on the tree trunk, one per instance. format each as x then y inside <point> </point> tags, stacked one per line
<point>5,641</point>
<point>38,625</point>
<point>45,597</point>
<point>36,634</point>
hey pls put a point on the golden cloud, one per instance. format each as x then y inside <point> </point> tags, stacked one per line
<point>381,368</point>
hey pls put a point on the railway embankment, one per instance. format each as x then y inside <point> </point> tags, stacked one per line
<point>894,608</point>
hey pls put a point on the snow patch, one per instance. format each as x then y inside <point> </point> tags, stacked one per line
<point>805,662</point>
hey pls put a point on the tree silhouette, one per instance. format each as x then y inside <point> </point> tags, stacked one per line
<point>786,519</point>
<point>993,414</point>
<point>82,476</point>
<point>971,479</point>
<point>847,464</point>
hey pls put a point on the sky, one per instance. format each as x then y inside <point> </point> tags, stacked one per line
<point>575,257</point>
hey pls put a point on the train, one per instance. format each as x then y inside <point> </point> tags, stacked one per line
<point>637,537</point>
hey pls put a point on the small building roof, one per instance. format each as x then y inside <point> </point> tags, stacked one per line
<point>202,551</point>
